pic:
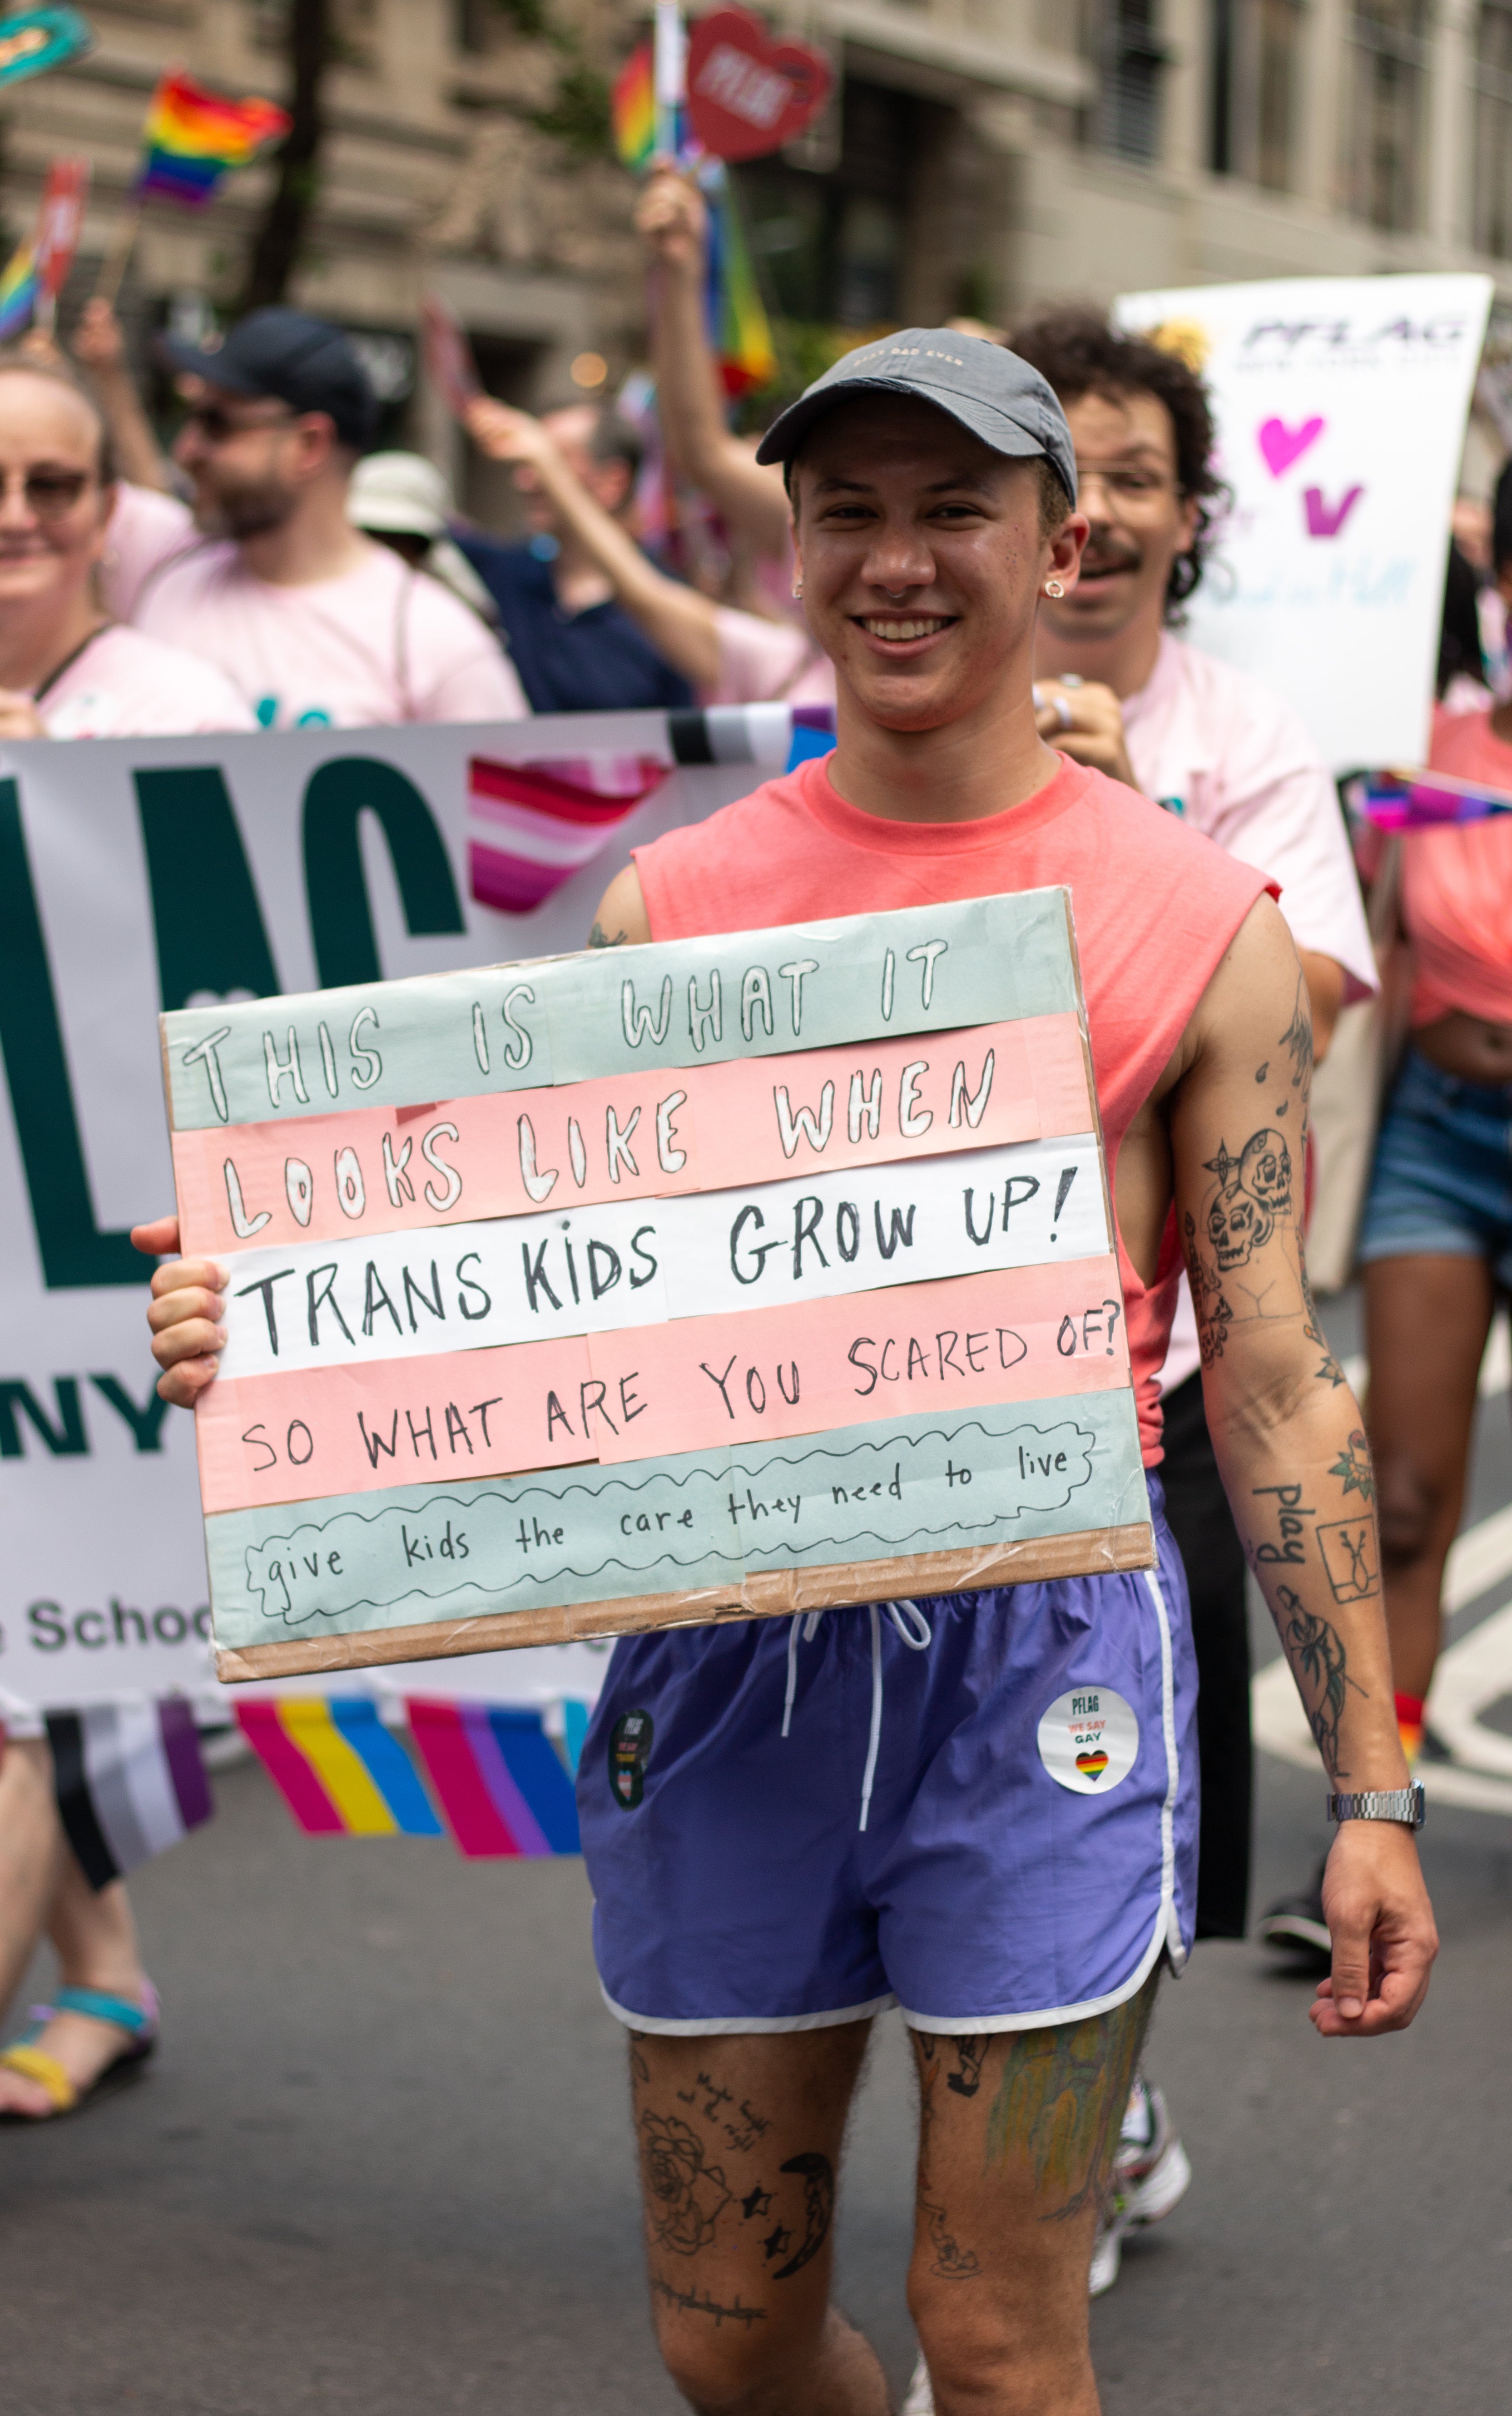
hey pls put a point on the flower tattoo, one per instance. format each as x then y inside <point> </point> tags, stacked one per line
<point>686,2196</point>
<point>1352,1467</point>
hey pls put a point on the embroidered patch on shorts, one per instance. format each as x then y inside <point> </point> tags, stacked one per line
<point>629,1750</point>
<point>1088,1740</point>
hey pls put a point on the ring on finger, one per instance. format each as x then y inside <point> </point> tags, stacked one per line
<point>1062,711</point>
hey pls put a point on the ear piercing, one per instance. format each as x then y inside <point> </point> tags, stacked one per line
<point>797,590</point>
<point>1055,587</point>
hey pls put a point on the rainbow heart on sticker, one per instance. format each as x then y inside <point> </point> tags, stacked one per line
<point>1092,1765</point>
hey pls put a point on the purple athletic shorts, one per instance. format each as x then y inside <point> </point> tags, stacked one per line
<point>981,1807</point>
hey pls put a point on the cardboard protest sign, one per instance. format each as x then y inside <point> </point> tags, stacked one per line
<point>717,1277</point>
<point>1342,404</point>
<point>336,857</point>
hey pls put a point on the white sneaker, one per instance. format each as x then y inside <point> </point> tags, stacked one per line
<point>920,2398</point>
<point>1151,2173</point>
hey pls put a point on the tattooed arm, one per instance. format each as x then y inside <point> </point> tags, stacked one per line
<point>622,920</point>
<point>1291,1444</point>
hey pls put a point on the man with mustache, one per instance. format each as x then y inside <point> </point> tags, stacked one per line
<point>1120,690</point>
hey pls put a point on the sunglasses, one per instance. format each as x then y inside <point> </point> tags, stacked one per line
<point>49,494</point>
<point>217,425</point>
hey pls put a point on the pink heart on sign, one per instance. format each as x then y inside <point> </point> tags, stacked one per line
<point>1282,445</point>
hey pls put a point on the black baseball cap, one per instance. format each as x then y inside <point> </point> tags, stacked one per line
<point>304,362</point>
<point>984,386</point>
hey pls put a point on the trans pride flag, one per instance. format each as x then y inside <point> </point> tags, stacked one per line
<point>193,138</point>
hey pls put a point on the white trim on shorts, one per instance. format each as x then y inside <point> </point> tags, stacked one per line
<point>1167,1931</point>
<point>731,2024</point>
<point>1166,1935</point>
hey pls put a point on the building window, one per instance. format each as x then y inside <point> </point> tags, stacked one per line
<point>1257,86</point>
<point>831,249</point>
<point>1493,129</point>
<point>1385,78</point>
<point>1119,38</point>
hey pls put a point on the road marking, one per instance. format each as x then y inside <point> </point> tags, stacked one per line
<point>1281,1730</point>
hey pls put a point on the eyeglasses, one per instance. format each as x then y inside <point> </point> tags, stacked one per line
<point>48,494</point>
<point>1132,489</point>
<point>215,424</point>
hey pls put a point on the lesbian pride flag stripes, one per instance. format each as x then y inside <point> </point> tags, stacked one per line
<point>498,1776</point>
<point>337,1767</point>
<point>531,827</point>
<point>130,1782</point>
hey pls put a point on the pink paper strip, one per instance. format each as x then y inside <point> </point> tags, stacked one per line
<point>463,1158</point>
<point>397,1422</point>
<point>1023,1333</point>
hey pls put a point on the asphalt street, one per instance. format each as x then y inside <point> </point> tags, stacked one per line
<point>384,2161</point>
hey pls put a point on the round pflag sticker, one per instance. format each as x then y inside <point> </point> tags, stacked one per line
<point>1088,1740</point>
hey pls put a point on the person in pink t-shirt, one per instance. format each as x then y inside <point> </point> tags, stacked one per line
<point>1120,689</point>
<point>1436,1239</point>
<point>313,623</point>
<point>850,1809</point>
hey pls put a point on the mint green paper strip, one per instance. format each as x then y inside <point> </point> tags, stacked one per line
<point>366,1562</point>
<point>575,1019</point>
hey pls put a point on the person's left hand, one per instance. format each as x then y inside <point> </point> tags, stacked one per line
<point>18,716</point>
<point>1382,1926</point>
<point>1084,720</point>
<point>506,434</point>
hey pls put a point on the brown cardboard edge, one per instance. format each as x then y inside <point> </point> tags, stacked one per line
<point>1098,1551</point>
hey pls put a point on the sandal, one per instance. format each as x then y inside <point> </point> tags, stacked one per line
<point>35,2064</point>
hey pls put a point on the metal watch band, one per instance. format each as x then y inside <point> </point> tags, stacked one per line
<point>1408,1805</point>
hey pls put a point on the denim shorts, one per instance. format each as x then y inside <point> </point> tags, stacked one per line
<point>790,1823</point>
<point>1442,1186</point>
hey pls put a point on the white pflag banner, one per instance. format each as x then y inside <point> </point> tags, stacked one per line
<point>138,875</point>
<point>1342,404</point>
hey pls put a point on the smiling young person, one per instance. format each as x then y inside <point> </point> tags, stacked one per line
<point>758,1905</point>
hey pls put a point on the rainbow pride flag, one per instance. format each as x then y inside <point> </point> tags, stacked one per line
<point>193,138</point>
<point>498,1777</point>
<point>20,285</point>
<point>739,328</point>
<point>632,111</point>
<point>337,1767</point>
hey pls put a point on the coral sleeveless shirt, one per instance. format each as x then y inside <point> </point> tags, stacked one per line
<point>1155,907</point>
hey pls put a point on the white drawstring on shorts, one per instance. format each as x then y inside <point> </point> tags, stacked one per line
<point>914,1631</point>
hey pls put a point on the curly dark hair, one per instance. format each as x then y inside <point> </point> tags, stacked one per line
<point>1078,353</point>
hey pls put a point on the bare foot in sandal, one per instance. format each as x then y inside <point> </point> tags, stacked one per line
<point>88,2038</point>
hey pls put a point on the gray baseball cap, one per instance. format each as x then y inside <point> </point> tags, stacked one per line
<point>988,388</point>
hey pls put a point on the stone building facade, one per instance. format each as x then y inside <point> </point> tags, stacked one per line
<point>980,155</point>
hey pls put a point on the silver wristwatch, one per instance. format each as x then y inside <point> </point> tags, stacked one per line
<point>1408,1805</point>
